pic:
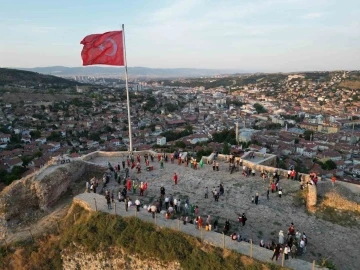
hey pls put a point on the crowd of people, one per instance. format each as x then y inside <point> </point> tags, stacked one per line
<point>173,207</point>
<point>293,244</point>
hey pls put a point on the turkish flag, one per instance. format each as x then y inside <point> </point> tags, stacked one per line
<point>103,49</point>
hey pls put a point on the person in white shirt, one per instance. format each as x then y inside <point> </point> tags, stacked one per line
<point>281,237</point>
<point>305,240</point>
<point>167,203</point>
<point>178,206</point>
<point>153,210</point>
<point>175,204</point>
<point>137,203</point>
<point>87,186</point>
<point>186,207</point>
<point>286,251</point>
<point>302,246</point>
<point>130,203</point>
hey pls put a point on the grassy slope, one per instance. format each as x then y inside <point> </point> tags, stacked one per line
<point>98,231</point>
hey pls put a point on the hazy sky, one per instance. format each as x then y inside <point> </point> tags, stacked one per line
<point>249,35</point>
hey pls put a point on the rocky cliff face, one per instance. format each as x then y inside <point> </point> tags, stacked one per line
<point>24,200</point>
<point>112,259</point>
<point>50,186</point>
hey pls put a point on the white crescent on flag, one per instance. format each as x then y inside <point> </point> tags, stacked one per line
<point>114,47</point>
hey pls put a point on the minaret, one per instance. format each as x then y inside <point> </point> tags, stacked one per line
<point>237,132</point>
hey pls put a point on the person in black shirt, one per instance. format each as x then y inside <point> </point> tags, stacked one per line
<point>243,219</point>
<point>227,226</point>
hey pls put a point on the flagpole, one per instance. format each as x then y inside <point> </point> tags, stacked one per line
<point>127,91</point>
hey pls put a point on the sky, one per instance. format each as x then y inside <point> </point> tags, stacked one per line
<point>244,35</point>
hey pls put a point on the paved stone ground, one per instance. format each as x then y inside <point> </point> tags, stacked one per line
<point>264,220</point>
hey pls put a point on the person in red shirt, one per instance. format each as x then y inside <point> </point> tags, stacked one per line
<point>128,184</point>
<point>292,174</point>
<point>200,222</point>
<point>333,179</point>
<point>175,178</point>
<point>272,187</point>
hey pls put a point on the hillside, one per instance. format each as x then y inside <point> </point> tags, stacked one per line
<point>133,71</point>
<point>15,77</point>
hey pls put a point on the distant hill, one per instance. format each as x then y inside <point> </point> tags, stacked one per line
<point>133,71</point>
<point>27,78</point>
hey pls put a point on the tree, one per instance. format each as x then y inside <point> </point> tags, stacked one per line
<point>259,108</point>
<point>54,136</point>
<point>202,152</point>
<point>308,134</point>
<point>95,136</point>
<point>26,160</point>
<point>109,129</point>
<point>150,103</point>
<point>38,154</point>
<point>15,138</point>
<point>35,134</point>
<point>152,127</point>
<point>226,149</point>
<point>180,144</point>
<point>170,107</point>
<point>329,165</point>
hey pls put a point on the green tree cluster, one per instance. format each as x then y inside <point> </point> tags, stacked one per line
<point>259,108</point>
<point>170,107</point>
<point>327,165</point>
<point>8,177</point>
<point>173,136</point>
<point>203,152</point>
<point>225,135</point>
<point>307,134</point>
<point>150,103</point>
<point>54,136</point>
<point>35,134</point>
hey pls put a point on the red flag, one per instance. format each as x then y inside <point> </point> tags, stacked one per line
<point>105,49</point>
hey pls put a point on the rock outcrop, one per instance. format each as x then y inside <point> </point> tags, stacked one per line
<point>28,197</point>
<point>112,259</point>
